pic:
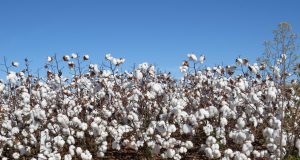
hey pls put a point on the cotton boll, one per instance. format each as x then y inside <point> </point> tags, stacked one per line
<point>116,145</point>
<point>182,150</point>
<point>297,145</point>
<point>68,157</point>
<point>240,123</point>
<point>139,74</point>
<point>192,57</point>
<point>271,147</point>
<point>157,88</point>
<point>76,121</point>
<point>247,148</point>
<point>78,151</point>
<point>256,154</point>
<point>216,154</point>
<point>215,146</point>
<point>171,128</point>
<point>170,153</point>
<point>183,69</point>
<point>240,156</point>
<point>86,57</point>
<point>80,134</point>
<point>16,155</point>
<point>208,128</point>
<point>15,130</point>
<point>187,129</point>
<point>86,155</point>
<point>228,153</point>
<point>213,111</point>
<point>209,153</point>
<point>71,140</point>
<point>202,114</point>
<point>74,55</point>
<point>15,64</point>
<point>66,58</point>
<point>49,59</point>
<point>254,121</point>
<point>239,61</point>
<point>223,122</point>
<point>150,130</point>
<point>210,140</point>
<point>63,120</point>
<point>12,77</point>
<point>59,141</point>
<point>189,144</point>
<point>108,57</point>
<point>83,126</point>
<point>268,132</point>
<point>202,59</point>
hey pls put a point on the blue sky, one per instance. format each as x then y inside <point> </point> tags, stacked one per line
<point>159,32</point>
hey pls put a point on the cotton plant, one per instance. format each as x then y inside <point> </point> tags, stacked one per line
<point>221,112</point>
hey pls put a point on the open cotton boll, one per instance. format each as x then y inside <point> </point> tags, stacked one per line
<point>71,140</point>
<point>239,61</point>
<point>209,152</point>
<point>83,126</point>
<point>268,132</point>
<point>63,120</point>
<point>240,123</point>
<point>297,145</point>
<point>171,128</point>
<point>216,153</point>
<point>74,55</point>
<point>59,141</point>
<point>256,154</point>
<point>201,58</point>
<point>138,74</point>
<point>202,114</point>
<point>157,88</point>
<point>15,64</point>
<point>86,155</point>
<point>228,153</point>
<point>16,155</point>
<point>208,128</point>
<point>223,122</point>
<point>192,57</point>
<point>68,157</point>
<point>210,140</point>
<point>2,86</point>
<point>170,153</point>
<point>213,111</point>
<point>271,147</point>
<point>78,151</point>
<point>247,148</point>
<point>240,156</point>
<point>189,144</point>
<point>12,77</point>
<point>183,69</point>
<point>187,129</point>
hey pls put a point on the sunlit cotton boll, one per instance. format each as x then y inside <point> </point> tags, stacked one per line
<point>170,153</point>
<point>192,57</point>
<point>86,155</point>
<point>74,55</point>
<point>201,59</point>
<point>16,155</point>
<point>12,77</point>
<point>15,64</point>
<point>187,129</point>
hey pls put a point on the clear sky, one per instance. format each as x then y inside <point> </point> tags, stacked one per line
<point>158,31</point>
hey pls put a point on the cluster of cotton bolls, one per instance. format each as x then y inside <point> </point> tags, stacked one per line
<point>96,111</point>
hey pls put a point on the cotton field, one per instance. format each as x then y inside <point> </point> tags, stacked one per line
<point>90,111</point>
